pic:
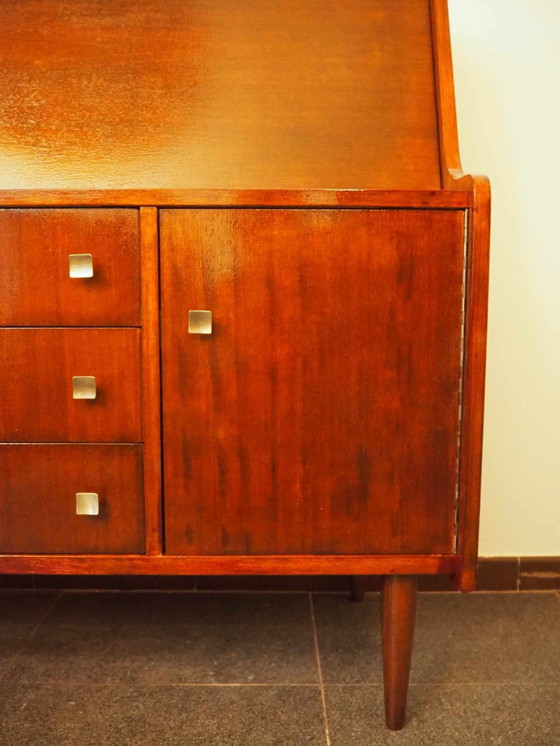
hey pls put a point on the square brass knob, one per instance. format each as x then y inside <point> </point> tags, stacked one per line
<point>84,387</point>
<point>80,265</point>
<point>87,503</point>
<point>200,322</point>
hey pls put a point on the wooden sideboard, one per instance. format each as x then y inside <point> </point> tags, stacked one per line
<point>243,296</point>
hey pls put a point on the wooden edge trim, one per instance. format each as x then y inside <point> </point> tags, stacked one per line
<point>452,176</point>
<point>151,409</point>
<point>474,377</point>
<point>494,574</point>
<point>326,198</point>
<point>445,564</point>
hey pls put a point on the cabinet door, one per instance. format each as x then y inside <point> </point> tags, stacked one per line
<point>321,414</point>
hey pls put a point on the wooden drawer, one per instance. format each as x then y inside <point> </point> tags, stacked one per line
<point>35,284</point>
<point>38,499</point>
<point>37,367</point>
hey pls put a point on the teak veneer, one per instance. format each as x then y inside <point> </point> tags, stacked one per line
<point>293,168</point>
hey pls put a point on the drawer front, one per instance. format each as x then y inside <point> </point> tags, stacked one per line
<point>38,500</point>
<point>36,247</point>
<point>38,390</point>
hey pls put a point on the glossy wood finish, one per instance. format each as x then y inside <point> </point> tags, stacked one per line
<point>36,370</point>
<point>473,391</point>
<point>437,199</point>
<point>398,617</point>
<point>332,423</point>
<point>450,161</point>
<point>214,93</point>
<point>38,504</point>
<point>35,287</point>
<point>322,414</point>
<point>232,565</point>
<point>151,384</point>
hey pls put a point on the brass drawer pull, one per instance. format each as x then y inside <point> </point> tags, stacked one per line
<point>87,503</point>
<point>84,387</point>
<point>80,265</point>
<point>200,322</point>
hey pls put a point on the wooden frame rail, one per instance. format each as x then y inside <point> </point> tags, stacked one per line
<point>235,565</point>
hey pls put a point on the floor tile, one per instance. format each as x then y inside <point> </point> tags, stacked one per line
<point>232,653</point>
<point>110,608</point>
<point>162,716</point>
<point>20,613</point>
<point>62,653</point>
<point>349,639</point>
<point>452,715</point>
<point>175,639</point>
<point>474,638</point>
<point>182,608</point>
<point>24,609</point>
<point>487,637</point>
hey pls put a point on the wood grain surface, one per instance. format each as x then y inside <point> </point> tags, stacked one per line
<point>38,498</point>
<point>448,199</point>
<point>229,565</point>
<point>35,286</point>
<point>151,380</point>
<point>322,413</point>
<point>218,94</point>
<point>398,621</point>
<point>36,371</point>
<point>472,421</point>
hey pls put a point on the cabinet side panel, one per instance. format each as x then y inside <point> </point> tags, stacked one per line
<point>473,395</point>
<point>321,414</point>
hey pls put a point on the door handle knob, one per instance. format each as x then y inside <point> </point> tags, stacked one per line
<point>87,503</point>
<point>200,322</point>
<point>80,265</point>
<point>84,387</point>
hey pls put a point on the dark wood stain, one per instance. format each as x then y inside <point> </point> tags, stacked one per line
<point>36,369</point>
<point>324,472</point>
<point>37,499</point>
<point>315,431</point>
<point>35,287</point>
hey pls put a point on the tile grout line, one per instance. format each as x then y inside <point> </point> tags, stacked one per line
<point>319,670</point>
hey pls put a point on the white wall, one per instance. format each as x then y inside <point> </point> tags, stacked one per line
<point>507,77</point>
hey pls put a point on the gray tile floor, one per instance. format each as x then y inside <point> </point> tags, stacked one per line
<point>272,669</point>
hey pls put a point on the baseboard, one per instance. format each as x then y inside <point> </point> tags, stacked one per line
<point>494,574</point>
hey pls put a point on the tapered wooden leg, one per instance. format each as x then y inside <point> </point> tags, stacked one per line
<point>399,612</point>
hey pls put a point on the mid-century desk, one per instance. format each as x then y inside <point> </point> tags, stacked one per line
<point>243,295</point>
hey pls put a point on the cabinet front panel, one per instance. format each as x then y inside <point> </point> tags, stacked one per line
<point>41,248</point>
<point>70,385</point>
<point>43,487</point>
<point>320,415</point>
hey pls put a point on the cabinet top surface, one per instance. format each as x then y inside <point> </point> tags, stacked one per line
<point>215,94</point>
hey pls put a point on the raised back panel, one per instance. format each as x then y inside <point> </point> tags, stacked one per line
<point>217,94</point>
